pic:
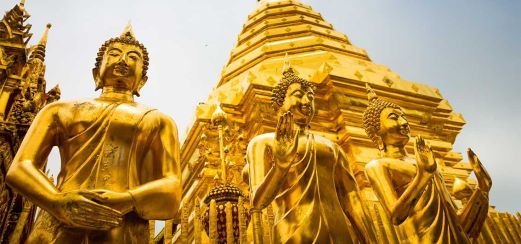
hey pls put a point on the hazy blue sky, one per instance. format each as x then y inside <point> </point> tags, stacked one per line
<point>470,50</point>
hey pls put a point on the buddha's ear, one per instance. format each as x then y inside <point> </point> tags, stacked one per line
<point>140,85</point>
<point>97,78</point>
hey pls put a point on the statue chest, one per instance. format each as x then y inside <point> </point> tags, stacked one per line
<point>314,155</point>
<point>99,155</point>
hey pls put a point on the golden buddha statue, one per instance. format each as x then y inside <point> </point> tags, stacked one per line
<point>120,160</point>
<point>307,177</point>
<point>411,189</point>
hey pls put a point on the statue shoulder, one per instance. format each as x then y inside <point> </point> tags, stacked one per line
<point>261,141</point>
<point>326,142</point>
<point>392,165</point>
<point>158,118</point>
<point>60,106</point>
<point>376,164</point>
<point>137,108</point>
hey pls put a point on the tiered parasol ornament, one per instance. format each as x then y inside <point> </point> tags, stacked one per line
<point>226,218</point>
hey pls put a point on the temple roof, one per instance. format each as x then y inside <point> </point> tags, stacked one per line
<point>289,31</point>
<point>277,27</point>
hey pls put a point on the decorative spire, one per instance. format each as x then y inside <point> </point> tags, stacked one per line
<point>371,95</point>
<point>219,120</point>
<point>286,65</point>
<point>39,52</point>
<point>287,69</point>
<point>22,2</point>
<point>43,40</point>
<point>128,33</point>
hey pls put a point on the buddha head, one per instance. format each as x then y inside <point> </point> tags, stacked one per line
<point>122,63</point>
<point>385,122</point>
<point>296,95</point>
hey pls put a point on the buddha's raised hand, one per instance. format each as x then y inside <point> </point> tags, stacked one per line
<point>424,156</point>
<point>484,180</point>
<point>286,141</point>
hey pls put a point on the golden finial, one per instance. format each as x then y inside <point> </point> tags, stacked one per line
<point>286,65</point>
<point>22,3</point>
<point>218,116</point>
<point>43,40</point>
<point>127,32</point>
<point>371,95</point>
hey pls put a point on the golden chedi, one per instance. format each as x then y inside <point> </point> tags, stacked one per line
<point>120,159</point>
<point>412,189</point>
<point>306,176</point>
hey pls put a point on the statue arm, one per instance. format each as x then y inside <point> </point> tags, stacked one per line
<point>473,216</point>
<point>378,174</point>
<point>397,207</point>
<point>265,185</point>
<point>160,196</point>
<point>24,175</point>
<point>351,200</point>
<point>78,208</point>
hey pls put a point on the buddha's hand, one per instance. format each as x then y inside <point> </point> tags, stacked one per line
<point>286,141</point>
<point>82,209</point>
<point>484,180</point>
<point>121,201</point>
<point>424,156</point>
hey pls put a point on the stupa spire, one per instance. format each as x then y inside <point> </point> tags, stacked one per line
<point>39,51</point>
<point>43,40</point>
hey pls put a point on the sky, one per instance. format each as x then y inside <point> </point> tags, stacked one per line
<point>470,50</point>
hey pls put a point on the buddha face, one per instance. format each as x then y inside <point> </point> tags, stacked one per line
<point>394,128</point>
<point>301,102</point>
<point>121,67</point>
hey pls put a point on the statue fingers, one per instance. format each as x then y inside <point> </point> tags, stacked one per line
<point>97,213</point>
<point>288,123</point>
<point>416,151</point>
<point>95,224</point>
<point>423,146</point>
<point>283,126</point>
<point>100,209</point>
<point>99,191</point>
<point>93,217</point>
<point>428,149</point>
<point>482,175</point>
<point>417,147</point>
<point>289,126</point>
<point>294,138</point>
<point>474,162</point>
<point>279,128</point>
<point>421,143</point>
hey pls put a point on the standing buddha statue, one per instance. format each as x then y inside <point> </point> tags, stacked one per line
<point>120,160</point>
<point>305,177</point>
<point>412,189</point>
